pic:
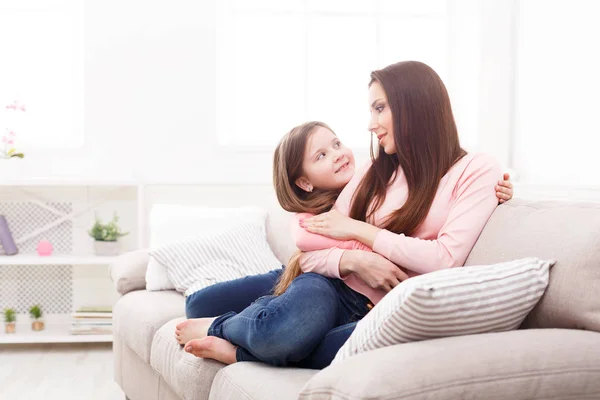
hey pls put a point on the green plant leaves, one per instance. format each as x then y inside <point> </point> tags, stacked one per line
<point>10,315</point>
<point>35,312</point>
<point>109,232</point>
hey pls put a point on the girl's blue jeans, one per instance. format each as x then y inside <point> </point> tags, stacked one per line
<point>304,327</point>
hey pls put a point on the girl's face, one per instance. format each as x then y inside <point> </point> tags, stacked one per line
<point>381,123</point>
<point>327,163</point>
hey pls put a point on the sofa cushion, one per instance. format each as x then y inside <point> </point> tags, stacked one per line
<point>170,223</point>
<point>239,381</point>
<point>195,263</point>
<point>522,364</point>
<point>139,314</point>
<point>567,232</point>
<point>128,271</point>
<point>190,377</point>
<point>452,302</point>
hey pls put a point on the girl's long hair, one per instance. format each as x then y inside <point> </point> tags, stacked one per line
<point>426,141</point>
<point>287,168</point>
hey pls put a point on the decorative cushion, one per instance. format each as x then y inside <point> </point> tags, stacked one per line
<point>170,223</point>
<point>452,302</point>
<point>193,264</point>
<point>128,271</point>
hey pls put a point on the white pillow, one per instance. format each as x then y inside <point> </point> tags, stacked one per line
<point>170,223</point>
<point>193,264</point>
<point>452,302</point>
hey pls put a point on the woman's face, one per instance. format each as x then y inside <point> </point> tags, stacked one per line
<point>327,163</point>
<point>381,123</point>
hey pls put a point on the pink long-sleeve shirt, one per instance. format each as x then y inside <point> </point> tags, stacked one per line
<point>464,201</point>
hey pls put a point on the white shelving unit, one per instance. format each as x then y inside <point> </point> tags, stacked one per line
<point>34,259</point>
<point>56,330</point>
<point>57,326</point>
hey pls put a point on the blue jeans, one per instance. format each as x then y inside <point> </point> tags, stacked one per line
<point>304,327</point>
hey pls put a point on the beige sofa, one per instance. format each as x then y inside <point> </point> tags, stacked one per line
<point>556,354</point>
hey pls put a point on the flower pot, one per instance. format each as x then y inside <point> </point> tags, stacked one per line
<point>37,325</point>
<point>106,248</point>
<point>10,327</point>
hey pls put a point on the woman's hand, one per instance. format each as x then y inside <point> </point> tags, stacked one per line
<point>331,224</point>
<point>504,189</point>
<point>374,269</point>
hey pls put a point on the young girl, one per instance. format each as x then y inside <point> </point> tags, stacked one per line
<point>311,166</point>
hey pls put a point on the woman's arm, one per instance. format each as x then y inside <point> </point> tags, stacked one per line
<point>307,241</point>
<point>338,226</point>
<point>475,200</point>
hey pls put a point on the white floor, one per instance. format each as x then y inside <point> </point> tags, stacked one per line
<point>58,372</point>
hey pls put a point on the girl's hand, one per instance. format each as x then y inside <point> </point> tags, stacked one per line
<point>504,189</point>
<point>331,224</point>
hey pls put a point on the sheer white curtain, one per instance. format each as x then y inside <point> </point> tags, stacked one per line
<point>557,97</point>
<point>41,46</point>
<point>281,63</point>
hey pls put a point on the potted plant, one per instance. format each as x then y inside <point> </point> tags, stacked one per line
<point>106,236</point>
<point>10,318</point>
<point>9,151</point>
<point>36,315</point>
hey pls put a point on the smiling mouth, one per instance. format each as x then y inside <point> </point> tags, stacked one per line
<point>343,167</point>
<point>379,137</point>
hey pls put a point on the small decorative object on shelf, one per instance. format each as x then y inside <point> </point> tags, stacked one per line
<point>10,318</point>
<point>37,324</point>
<point>8,150</point>
<point>106,236</point>
<point>44,248</point>
<point>6,239</point>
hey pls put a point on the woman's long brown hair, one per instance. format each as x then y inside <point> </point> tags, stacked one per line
<point>287,168</point>
<point>427,145</point>
<point>426,141</point>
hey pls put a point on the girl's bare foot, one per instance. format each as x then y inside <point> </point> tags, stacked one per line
<point>196,328</point>
<point>212,347</point>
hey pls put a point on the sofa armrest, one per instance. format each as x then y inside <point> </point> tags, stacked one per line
<point>523,364</point>
<point>128,271</point>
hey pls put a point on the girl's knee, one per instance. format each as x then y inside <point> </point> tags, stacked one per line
<point>315,286</point>
<point>197,305</point>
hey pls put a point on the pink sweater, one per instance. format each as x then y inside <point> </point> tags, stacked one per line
<point>462,205</point>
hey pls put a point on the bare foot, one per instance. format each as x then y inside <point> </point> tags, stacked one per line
<point>212,347</point>
<point>196,328</point>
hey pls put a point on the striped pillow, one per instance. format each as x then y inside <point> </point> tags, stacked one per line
<point>193,264</point>
<point>452,302</point>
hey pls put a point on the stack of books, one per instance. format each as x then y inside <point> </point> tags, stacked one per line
<point>92,321</point>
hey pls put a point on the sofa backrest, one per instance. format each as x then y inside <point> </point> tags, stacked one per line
<point>567,232</point>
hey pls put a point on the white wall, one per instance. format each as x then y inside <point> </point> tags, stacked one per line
<point>150,97</point>
<point>149,92</point>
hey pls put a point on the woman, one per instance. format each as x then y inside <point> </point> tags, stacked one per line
<point>421,183</point>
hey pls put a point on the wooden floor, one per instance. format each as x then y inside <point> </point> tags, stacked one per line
<point>58,372</point>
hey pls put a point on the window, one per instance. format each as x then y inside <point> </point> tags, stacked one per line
<point>283,63</point>
<point>557,130</point>
<point>42,68</point>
